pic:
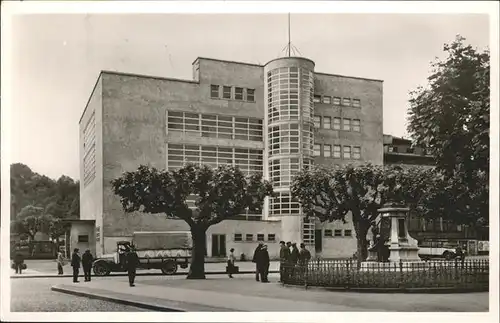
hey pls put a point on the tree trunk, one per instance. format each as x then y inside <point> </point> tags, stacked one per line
<point>361,228</point>
<point>197,268</point>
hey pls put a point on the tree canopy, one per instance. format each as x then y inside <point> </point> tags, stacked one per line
<point>451,118</point>
<point>329,194</point>
<point>47,202</point>
<point>451,115</point>
<point>199,195</point>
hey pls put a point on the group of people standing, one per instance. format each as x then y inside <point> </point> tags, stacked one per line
<point>290,257</point>
<point>85,261</point>
<point>261,260</point>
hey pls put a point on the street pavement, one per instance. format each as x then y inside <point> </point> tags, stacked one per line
<point>243,293</point>
<point>35,295</point>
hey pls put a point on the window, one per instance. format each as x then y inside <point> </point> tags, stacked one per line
<point>317,99</point>
<point>249,237</point>
<point>336,123</point>
<point>347,152</point>
<point>271,237</point>
<point>338,233</point>
<point>83,238</point>
<point>327,150</point>
<point>336,151</point>
<point>327,122</point>
<point>346,102</point>
<point>356,152</point>
<point>356,125</point>
<point>317,150</point>
<point>336,101</point>
<point>327,99</point>
<point>260,237</point>
<point>347,233</point>
<point>410,150</point>
<point>356,103</point>
<point>317,122</point>
<point>347,124</point>
<point>226,92</point>
<point>238,93</point>
<point>238,237</point>
<point>250,95</point>
<point>214,91</point>
<point>328,233</point>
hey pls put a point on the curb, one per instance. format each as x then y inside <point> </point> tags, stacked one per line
<point>247,272</point>
<point>116,300</point>
<point>392,290</point>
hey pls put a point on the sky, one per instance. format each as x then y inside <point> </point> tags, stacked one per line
<point>56,60</point>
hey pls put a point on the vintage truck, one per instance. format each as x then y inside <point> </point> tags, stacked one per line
<point>156,250</point>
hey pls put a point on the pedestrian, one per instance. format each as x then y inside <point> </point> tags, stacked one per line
<point>87,260</point>
<point>60,263</point>
<point>18,262</point>
<point>304,255</point>
<point>132,262</point>
<point>75,263</point>
<point>254,259</point>
<point>294,258</point>
<point>263,263</point>
<point>231,259</point>
<point>284,257</point>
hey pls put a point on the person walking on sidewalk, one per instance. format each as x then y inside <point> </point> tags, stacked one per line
<point>254,259</point>
<point>18,262</point>
<point>263,263</point>
<point>87,260</point>
<point>231,259</point>
<point>75,263</point>
<point>60,263</point>
<point>132,263</point>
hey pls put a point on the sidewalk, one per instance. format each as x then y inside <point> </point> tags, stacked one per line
<point>39,269</point>
<point>243,293</point>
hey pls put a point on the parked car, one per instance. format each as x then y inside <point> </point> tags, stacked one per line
<point>156,250</point>
<point>447,253</point>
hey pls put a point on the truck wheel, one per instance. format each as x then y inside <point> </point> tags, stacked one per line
<point>448,255</point>
<point>169,267</point>
<point>101,269</point>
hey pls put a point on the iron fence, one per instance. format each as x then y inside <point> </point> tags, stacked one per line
<point>468,274</point>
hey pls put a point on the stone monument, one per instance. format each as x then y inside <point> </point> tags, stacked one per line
<point>396,242</point>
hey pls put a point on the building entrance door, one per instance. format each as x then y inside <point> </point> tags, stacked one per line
<point>318,241</point>
<point>218,245</point>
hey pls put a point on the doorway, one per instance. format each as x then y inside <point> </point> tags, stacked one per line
<point>218,245</point>
<point>318,241</point>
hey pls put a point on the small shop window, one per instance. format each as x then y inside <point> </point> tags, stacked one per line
<point>83,238</point>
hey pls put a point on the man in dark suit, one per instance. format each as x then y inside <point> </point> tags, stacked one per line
<point>255,258</point>
<point>87,260</point>
<point>75,263</point>
<point>132,263</point>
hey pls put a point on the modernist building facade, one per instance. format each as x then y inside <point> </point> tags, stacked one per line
<point>276,118</point>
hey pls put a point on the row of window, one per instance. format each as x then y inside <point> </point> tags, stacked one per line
<point>283,86</point>
<point>89,141</point>
<point>284,139</point>
<point>249,161</point>
<point>345,124</point>
<point>215,126</point>
<point>283,204</point>
<point>337,233</point>
<point>348,102</point>
<point>232,93</point>
<point>238,237</point>
<point>344,152</point>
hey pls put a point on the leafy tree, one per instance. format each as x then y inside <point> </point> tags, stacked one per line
<point>32,220</point>
<point>329,194</point>
<point>218,194</point>
<point>451,117</point>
